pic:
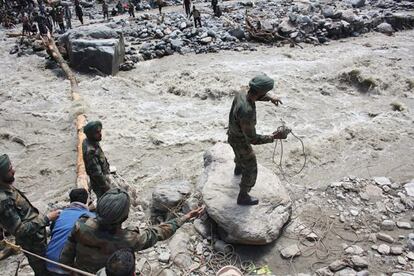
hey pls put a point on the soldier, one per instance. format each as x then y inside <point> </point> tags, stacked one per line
<point>187,6</point>
<point>96,164</point>
<point>68,17</point>
<point>79,12</point>
<point>105,10</point>
<point>21,219</point>
<point>214,5</point>
<point>93,240</point>
<point>197,16</point>
<point>242,134</point>
<point>131,9</point>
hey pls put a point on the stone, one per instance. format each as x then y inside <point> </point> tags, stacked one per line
<point>290,251</point>
<point>254,225</point>
<point>385,237</point>
<point>176,44</point>
<point>384,249</point>
<point>410,255</point>
<point>359,262</point>
<point>409,188</point>
<point>286,27</point>
<point>204,227</point>
<point>337,265</point>
<point>222,246</point>
<point>387,225</point>
<point>385,28</point>
<point>237,33</point>
<point>328,12</point>
<point>358,3</point>
<point>410,241</point>
<point>362,273</point>
<point>92,48</point>
<point>401,260</point>
<point>168,194</point>
<point>396,250</point>
<point>403,225</point>
<point>382,180</point>
<point>354,250</point>
<point>164,257</point>
<point>206,40</point>
<point>324,271</point>
<point>180,254</point>
<point>346,272</point>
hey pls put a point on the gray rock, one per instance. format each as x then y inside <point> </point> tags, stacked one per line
<point>222,246</point>
<point>384,249</point>
<point>410,256</point>
<point>396,250</point>
<point>363,273</point>
<point>176,44</point>
<point>290,251</point>
<point>255,225</point>
<point>286,27</point>
<point>409,188</point>
<point>206,40</point>
<point>324,271</point>
<point>401,260</point>
<point>359,262</point>
<point>180,254</point>
<point>410,241</point>
<point>385,28</point>
<point>346,272</point>
<point>381,180</point>
<point>337,265</point>
<point>387,225</point>
<point>328,12</point>
<point>167,195</point>
<point>358,3</point>
<point>238,33</point>
<point>385,237</point>
<point>403,225</point>
<point>164,257</point>
<point>204,227</point>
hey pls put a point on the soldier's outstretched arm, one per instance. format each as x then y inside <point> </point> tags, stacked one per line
<point>11,221</point>
<point>149,237</point>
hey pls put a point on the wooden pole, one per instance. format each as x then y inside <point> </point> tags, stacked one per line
<point>82,177</point>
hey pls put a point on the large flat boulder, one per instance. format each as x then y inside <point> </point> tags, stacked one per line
<point>254,225</point>
<point>92,48</point>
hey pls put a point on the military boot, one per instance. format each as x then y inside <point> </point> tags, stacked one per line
<point>237,170</point>
<point>245,199</point>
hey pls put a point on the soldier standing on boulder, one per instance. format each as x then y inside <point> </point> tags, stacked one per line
<point>97,167</point>
<point>93,240</point>
<point>242,134</point>
<point>21,219</point>
<point>79,12</point>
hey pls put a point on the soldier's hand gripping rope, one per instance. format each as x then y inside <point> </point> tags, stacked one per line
<point>281,133</point>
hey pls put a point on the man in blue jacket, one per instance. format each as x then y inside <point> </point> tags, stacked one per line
<point>63,226</point>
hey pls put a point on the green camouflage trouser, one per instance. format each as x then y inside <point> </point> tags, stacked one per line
<point>36,245</point>
<point>246,160</point>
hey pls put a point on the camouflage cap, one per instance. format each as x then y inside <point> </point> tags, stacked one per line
<point>4,164</point>
<point>90,128</point>
<point>261,84</point>
<point>113,207</point>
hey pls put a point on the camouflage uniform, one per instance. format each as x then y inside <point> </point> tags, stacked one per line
<point>242,134</point>
<point>97,167</point>
<point>20,218</point>
<point>89,246</point>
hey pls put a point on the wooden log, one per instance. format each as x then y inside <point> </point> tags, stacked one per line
<point>82,177</point>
